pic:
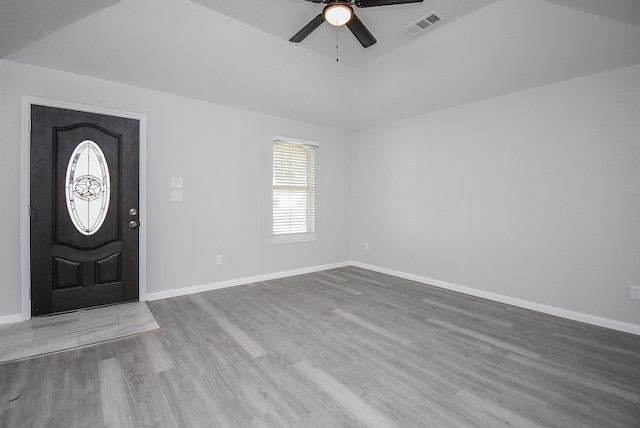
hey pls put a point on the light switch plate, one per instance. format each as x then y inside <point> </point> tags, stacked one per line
<point>177,183</point>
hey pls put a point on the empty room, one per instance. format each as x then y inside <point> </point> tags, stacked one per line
<point>320,213</point>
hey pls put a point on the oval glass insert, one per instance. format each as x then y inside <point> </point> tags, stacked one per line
<point>87,187</point>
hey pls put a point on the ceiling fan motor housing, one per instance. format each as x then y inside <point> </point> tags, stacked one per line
<point>345,16</point>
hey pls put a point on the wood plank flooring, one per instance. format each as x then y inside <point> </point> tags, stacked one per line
<point>339,348</point>
<point>56,333</point>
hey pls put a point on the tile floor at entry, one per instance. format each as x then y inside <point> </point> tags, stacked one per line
<point>55,333</point>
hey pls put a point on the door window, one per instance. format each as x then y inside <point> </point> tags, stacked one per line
<point>87,187</point>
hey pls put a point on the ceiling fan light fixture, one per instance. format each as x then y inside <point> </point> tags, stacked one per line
<point>337,14</point>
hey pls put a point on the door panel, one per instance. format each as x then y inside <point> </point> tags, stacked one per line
<point>84,180</point>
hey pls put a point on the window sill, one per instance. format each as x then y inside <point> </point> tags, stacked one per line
<point>287,239</point>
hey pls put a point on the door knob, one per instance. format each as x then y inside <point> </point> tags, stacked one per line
<point>133,224</point>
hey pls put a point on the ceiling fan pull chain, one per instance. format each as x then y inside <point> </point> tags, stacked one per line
<point>337,37</point>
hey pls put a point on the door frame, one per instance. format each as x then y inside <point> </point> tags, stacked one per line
<point>25,191</point>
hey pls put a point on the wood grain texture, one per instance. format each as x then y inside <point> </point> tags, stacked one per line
<point>339,348</point>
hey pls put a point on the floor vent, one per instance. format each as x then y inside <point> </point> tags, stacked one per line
<point>424,23</point>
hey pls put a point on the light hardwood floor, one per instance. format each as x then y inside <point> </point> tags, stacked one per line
<point>345,347</point>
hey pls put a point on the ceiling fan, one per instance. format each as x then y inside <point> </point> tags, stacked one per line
<point>340,12</point>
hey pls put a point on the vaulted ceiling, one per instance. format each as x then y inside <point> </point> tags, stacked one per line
<point>237,52</point>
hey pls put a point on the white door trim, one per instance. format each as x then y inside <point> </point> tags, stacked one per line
<point>25,194</point>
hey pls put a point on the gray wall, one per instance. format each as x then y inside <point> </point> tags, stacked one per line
<point>224,155</point>
<point>533,195</point>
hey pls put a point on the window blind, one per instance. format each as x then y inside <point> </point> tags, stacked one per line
<point>294,189</point>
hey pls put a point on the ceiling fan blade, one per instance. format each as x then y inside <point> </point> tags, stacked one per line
<point>307,29</point>
<point>361,32</point>
<point>372,3</point>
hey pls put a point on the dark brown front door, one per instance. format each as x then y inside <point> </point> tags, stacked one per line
<point>84,209</point>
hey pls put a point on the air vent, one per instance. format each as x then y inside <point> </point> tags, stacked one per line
<point>424,23</point>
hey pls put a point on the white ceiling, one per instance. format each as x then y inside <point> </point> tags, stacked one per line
<point>283,18</point>
<point>25,21</point>
<point>236,52</point>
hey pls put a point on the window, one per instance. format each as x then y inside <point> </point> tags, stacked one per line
<point>294,190</point>
<point>87,187</point>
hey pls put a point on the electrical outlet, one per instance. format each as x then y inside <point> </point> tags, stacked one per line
<point>218,260</point>
<point>635,292</point>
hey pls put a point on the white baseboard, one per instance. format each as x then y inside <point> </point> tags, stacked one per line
<point>538,307</point>
<point>10,319</point>
<point>241,281</point>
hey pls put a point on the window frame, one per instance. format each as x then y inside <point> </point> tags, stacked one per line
<point>310,191</point>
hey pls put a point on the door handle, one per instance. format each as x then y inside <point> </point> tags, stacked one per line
<point>133,224</point>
